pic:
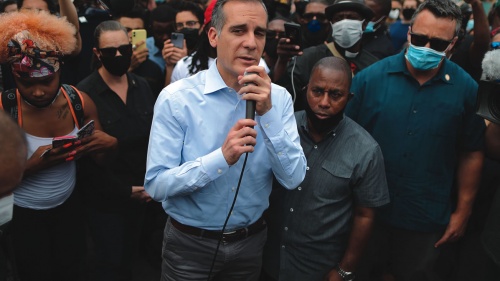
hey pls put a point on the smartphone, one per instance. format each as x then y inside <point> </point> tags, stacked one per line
<point>139,35</point>
<point>86,130</point>
<point>63,140</point>
<point>177,39</point>
<point>293,32</point>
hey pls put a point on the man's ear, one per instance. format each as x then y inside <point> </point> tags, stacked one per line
<point>96,53</point>
<point>304,89</point>
<point>212,37</point>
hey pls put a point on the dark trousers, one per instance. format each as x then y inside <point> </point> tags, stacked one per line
<point>49,244</point>
<point>8,270</point>
<point>402,254</point>
<point>188,257</point>
<point>116,239</point>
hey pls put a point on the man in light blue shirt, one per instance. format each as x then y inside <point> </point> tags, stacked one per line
<point>198,136</point>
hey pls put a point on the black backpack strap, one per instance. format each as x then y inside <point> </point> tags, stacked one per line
<point>76,100</point>
<point>9,102</point>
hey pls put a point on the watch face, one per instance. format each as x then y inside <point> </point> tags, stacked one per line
<point>349,276</point>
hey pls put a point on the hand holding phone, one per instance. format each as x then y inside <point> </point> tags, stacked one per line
<point>138,35</point>
<point>293,32</point>
<point>86,130</point>
<point>64,141</point>
<point>177,39</point>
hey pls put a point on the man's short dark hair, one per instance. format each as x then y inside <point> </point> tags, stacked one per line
<point>441,9</point>
<point>385,6</point>
<point>135,13</point>
<point>334,63</point>
<point>187,6</point>
<point>218,17</point>
<point>163,13</point>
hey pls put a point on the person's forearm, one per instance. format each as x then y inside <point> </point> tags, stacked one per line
<point>493,141</point>
<point>468,178</point>
<point>481,33</point>
<point>279,69</point>
<point>279,130</point>
<point>360,233</point>
<point>67,9</point>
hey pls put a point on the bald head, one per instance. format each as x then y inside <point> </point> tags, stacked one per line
<point>334,63</point>
<point>12,154</point>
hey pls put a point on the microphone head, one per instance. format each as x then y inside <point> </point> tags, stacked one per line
<point>491,66</point>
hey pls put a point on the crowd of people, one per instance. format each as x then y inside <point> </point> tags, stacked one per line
<point>352,151</point>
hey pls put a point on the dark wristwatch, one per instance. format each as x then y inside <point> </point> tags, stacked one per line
<point>346,275</point>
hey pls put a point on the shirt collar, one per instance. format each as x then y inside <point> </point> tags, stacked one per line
<point>398,65</point>
<point>303,124</point>
<point>101,87</point>
<point>213,80</point>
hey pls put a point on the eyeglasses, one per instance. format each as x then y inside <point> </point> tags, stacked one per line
<point>495,45</point>
<point>270,34</point>
<point>125,50</point>
<point>319,16</point>
<point>435,43</point>
<point>188,24</point>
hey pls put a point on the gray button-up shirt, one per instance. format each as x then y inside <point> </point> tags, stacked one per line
<point>309,227</point>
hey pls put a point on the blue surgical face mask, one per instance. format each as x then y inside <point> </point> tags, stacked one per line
<point>370,27</point>
<point>470,25</point>
<point>423,58</point>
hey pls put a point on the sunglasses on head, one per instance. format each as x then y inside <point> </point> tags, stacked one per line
<point>495,45</point>
<point>437,44</point>
<point>125,50</point>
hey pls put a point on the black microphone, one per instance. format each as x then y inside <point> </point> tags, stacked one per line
<point>250,110</point>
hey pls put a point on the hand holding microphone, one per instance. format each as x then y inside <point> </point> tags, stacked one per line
<point>256,91</point>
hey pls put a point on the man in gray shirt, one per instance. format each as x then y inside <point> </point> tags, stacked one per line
<point>319,229</point>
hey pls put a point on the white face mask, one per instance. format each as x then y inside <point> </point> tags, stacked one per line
<point>394,14</point>
<point>6,207</point>
<point>347,32</point>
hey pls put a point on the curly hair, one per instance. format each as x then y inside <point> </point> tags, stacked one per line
<point>48,31</point>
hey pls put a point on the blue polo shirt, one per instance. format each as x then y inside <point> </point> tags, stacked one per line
<point>420,129</point>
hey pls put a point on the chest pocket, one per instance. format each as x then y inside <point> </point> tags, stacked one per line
<point>333,180</point>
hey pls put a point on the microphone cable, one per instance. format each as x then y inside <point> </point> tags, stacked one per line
<point>228,216</point>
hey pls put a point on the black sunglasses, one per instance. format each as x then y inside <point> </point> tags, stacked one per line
<point>273,34</point>
<point>319,16</point>
<point>435,43</point>
<point>125,50</point>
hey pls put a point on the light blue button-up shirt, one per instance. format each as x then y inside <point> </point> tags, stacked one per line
<point>186,169</point>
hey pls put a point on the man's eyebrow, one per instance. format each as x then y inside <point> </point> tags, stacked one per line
<point>243,25</point>
<point>260,29</point>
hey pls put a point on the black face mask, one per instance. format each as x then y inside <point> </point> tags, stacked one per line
<point>117,65</point>
<point>271,47</point>
<point>315,33</point>
<point>322,125</point>
<point>191,36</point>
<point>408,13</point>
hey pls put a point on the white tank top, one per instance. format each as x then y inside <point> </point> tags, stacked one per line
<point>47,188</point>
